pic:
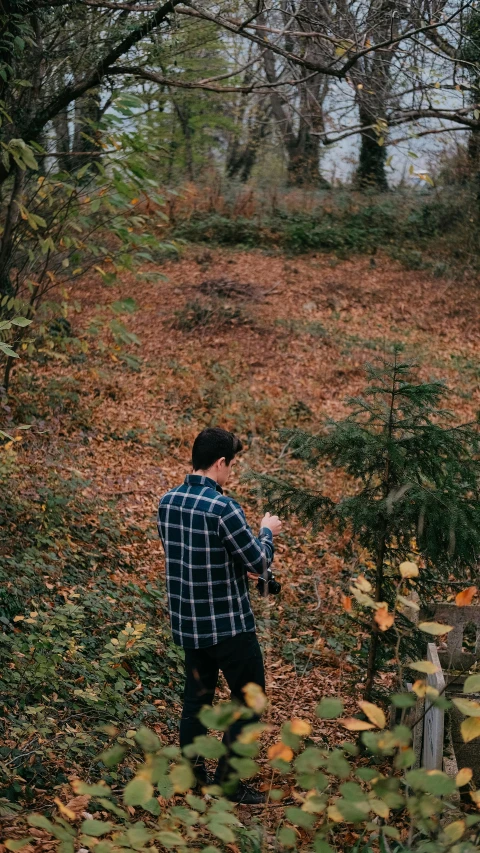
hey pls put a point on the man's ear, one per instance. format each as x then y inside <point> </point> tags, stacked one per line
<point>222,459</point>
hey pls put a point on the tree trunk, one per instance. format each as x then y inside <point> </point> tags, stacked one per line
<point>474,158</point>
<point>8,236</point>
<point>242,159</point>
<point>62,141</point>
<point>86,145</point>
<point>371,172</point>
<point>303,161</point>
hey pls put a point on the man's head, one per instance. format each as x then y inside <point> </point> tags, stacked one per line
<point>213,453</point>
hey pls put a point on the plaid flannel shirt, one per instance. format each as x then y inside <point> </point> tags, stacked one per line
<point>209,548</point>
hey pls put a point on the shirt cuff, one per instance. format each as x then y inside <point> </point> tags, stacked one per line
<point>265,531</point>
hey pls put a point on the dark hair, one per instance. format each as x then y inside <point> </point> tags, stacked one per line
<point>211,444</point>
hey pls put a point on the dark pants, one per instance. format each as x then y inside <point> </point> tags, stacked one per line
<point>240,660</point>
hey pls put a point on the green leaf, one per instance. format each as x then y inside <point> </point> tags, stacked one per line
<point>99,790</point>
<point>205,745</point>
<point>329,708</point>
<point>299,818</point>
<point>404,700</point>
<point>20,321</point>
<point>354,812</point>
<point>472,684</point>
<point>137,792</point>
<point>112,807</point>
<point>96,828</point>
<point>338,765</point>
<point>138,835</point>
<point>40,822</point>
<point>322,846</point>
<point>16,844</point>
<point>8,351</point>
<point>287,837</point>
<point>221,716</point>
<point>351,791</point>
<point>245,767</point>
<point>152,806</point>
<point>182,778</point>
<point>113,756</point>
<point>310,760</point>
<point>220,830</point>
<point>430,781</point>
<point>171,839</point>
<point>147,740</point>
<point>125,306</point>
<point>366,773</point>
<point>196,803</point>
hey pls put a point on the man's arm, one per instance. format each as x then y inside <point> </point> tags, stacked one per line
<point>254,553</point>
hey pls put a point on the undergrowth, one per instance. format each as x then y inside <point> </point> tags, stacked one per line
<point>408,226</point>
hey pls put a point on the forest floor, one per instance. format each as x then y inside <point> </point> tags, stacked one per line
<point>287,349</point>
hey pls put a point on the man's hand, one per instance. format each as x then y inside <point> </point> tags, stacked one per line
<point>272,522</point>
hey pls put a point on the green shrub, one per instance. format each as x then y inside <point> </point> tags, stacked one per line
<point>80,643</point>
<point>364,786</point>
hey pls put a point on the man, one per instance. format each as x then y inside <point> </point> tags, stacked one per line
<point>209,550</point>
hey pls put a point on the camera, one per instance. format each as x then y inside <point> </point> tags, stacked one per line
<point>268,585</point>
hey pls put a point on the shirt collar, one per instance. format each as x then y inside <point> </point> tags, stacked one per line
<point>200,480</point>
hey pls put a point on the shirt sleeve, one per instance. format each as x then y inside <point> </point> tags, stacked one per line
<point>254,553</point>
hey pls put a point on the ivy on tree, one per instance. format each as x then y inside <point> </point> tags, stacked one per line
<point>412,493</point>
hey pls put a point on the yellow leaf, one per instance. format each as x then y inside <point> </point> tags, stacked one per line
<point>420,688</point>
<point>18,618</point>
<point>380,808</point>
<point>463,777</point>
<point>408,602</point>
<point>300,727</point>
<point>64,810</point>
<point>454,831</point>
<point>279,750</point>
<point>255,697</point>
<point>384,619</point>
<point>409,570</point>
<point>335,815</point>
<point>354,725</point>
<point>470,729</point>
<point>363,584</point>
<point>467,707</point>
<point>464,598</point>
<point>374,714</point>
<point>425,666</point>
<point>475,795</point>
<point>435,628</point>
<point>362,597</point>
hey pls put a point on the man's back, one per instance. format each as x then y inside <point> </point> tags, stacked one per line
<point>209,548</point>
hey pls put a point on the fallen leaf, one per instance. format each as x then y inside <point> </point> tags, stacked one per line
<point>64,810</point>
<point>464,598</point>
